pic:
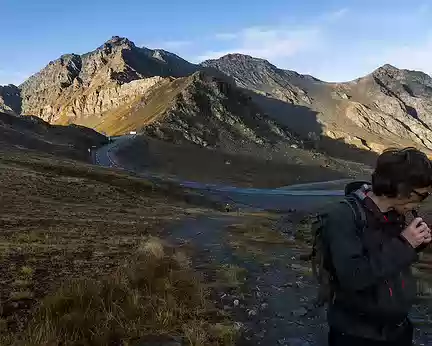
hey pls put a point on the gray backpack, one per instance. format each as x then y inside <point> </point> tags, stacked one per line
<point>320,258</point>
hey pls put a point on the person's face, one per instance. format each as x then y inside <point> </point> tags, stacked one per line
<point>413,201</point>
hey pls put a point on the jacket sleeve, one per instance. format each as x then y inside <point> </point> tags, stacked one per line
<point>356,270</point>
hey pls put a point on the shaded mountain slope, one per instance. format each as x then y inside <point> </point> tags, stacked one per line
<point>193,163</point>
<point>32,133</point>
<point>386,108</point>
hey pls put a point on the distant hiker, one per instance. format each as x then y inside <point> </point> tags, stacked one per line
<point>367,251</point>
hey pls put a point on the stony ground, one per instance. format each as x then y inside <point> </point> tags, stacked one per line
<point>271,289</point>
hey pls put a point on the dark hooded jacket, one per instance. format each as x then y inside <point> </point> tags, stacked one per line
<point>373,284</point>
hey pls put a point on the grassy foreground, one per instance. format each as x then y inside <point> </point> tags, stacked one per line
<point>154,295</point>
<point>79,263</point>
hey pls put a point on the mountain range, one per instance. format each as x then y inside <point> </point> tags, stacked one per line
<point>234,103</point>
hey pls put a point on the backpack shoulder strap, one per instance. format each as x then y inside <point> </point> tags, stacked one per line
<point>358,210</point>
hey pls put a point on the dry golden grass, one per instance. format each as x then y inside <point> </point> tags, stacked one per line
<point>256,237</point>
<point>62,221</point>
<point>139,112</point>
<point>258,230</point>
<point>260,237</point>
<point>151,295</point>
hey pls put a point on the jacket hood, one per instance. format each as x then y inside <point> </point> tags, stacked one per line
<point>354,186</point>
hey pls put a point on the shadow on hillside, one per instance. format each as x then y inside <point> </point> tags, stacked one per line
<point>303,122</point>
<point>194,163</point>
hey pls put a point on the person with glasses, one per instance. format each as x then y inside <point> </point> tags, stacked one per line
<point>372,285</point>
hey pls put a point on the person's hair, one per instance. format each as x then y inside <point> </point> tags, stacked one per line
<point>399,171</point>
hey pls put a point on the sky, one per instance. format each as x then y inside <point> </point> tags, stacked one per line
<point>334,40</point>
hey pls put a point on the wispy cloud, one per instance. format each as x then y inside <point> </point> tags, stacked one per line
<point>270,43</point>
<point>335,15</point>
<point>331,46</point>
<point>274,42</point>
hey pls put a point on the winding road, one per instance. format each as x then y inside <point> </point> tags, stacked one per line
<point>304,197</point>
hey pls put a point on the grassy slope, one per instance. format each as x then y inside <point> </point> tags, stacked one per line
<point>62,221</point>
<point>143,110</point>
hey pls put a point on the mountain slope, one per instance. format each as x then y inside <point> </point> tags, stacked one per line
<point>398,102</point>
<point>202,109</point>
<point>75,87</point>
<point>386,108</point>
<point>120,87</point>
<point>32,133</point>
<point>261,76</point>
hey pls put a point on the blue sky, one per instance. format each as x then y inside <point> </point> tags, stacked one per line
<point>333,40</point>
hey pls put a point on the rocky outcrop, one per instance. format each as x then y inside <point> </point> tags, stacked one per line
<point>75,87</point>
<point>93,102</point>
<point>10,99</point>
<point>211,112</point>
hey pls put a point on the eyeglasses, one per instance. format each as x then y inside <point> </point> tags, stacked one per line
<point>423,195</point>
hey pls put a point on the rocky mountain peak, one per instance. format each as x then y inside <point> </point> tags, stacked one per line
<point>391,71</point>
<point>262,77</point>
<point>79,85</point>
<point>387,68</point>
<point>239,59</point>
<point>401,83</point>
<point>117,41</point>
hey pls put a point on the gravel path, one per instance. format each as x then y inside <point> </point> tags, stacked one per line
<point>274,306</point>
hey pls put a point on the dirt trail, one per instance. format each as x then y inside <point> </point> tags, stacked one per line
<point>275,297</point>
<point>274,304</point>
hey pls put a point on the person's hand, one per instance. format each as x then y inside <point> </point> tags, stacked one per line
<point>428,236</point>
<point>417,233</point>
